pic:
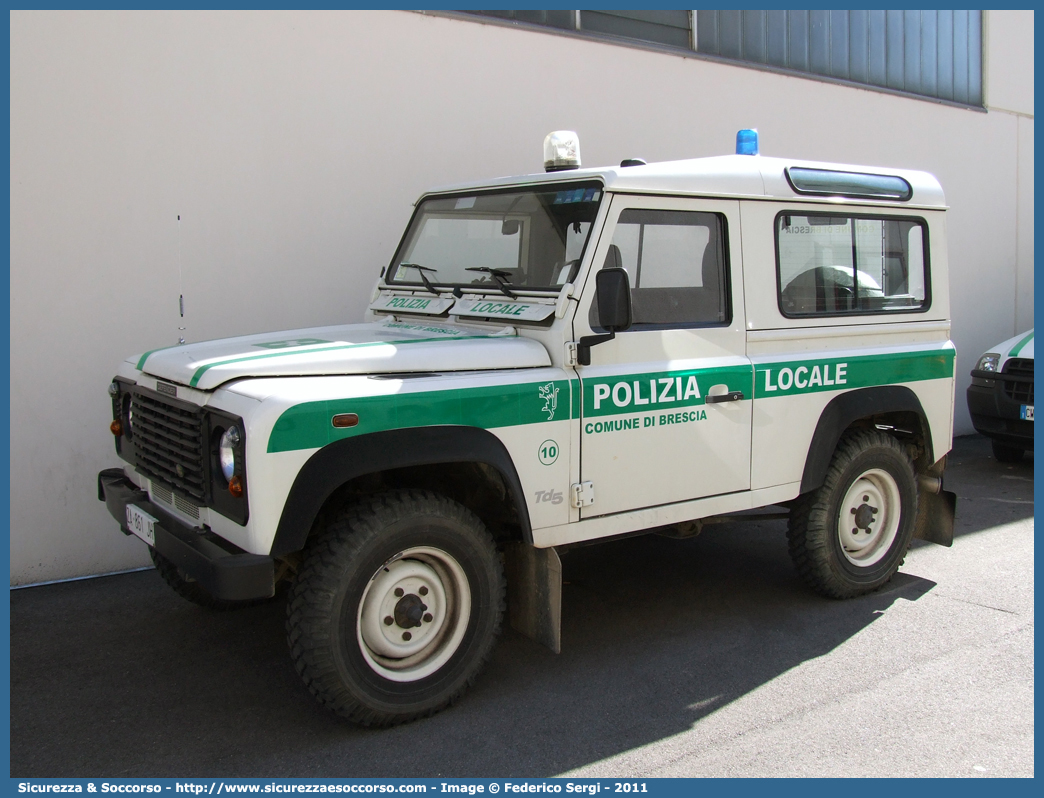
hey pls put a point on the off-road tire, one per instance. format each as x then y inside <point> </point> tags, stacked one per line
<point>1007,454</point>
<point>813,532</point>
<point>190,590</point>
<point>352,563</point>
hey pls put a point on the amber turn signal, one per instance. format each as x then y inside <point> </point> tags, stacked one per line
<point>116,428</point>
<point>342,420</point>
<point>235,487</point>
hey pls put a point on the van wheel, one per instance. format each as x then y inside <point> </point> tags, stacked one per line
<point>396,607</point>
<point>849,537</point>
<point>1006,454</point>
<point>190,590</point>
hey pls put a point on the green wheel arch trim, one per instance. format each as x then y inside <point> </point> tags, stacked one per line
<point>1019,346</point>
<point>309,425</point>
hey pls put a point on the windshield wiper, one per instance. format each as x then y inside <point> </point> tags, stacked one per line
<point>497,274</point>
<point>424,278</point>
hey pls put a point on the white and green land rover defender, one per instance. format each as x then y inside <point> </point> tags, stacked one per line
<point>551,360</point>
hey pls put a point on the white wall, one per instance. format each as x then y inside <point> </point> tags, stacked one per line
<point>292,144</point>
<point>1009,90</point>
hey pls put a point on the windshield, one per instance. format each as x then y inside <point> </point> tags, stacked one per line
<point>528,239</point>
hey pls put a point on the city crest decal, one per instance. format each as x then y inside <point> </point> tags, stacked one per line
<point>549,393</point>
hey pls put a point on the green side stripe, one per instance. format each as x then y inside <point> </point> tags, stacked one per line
<point>632,393</point>
<point>288,353</point>
<point>844,373</point>
<point>1018,347</point>
<point>309,425</point>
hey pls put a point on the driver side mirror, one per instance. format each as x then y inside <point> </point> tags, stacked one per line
<point>613,293</point>
<point>613,290</point>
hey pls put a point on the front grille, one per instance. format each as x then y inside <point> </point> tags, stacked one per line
<point>163,494</point>
<point>187,507</point>
<point>168,440</point>
<point>1019,391</point>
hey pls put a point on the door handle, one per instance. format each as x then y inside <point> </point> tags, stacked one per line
<point>731,396</point>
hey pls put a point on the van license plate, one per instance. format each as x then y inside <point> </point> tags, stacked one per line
<point>1027,412</point>
<point>141,524</point>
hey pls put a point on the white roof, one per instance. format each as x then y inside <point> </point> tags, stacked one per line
<point>734,176</point>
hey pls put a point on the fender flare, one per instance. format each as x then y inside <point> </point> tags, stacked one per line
<point>842,411</point>
<point>344,460</point>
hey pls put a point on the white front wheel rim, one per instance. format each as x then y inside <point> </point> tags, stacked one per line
<point>413,614</point>
<point>868,518</point>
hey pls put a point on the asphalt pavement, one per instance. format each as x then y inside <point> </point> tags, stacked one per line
<point>705,657</point>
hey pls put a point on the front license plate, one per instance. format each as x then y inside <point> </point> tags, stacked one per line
<point>1027,412</point>
<point>141,524</point>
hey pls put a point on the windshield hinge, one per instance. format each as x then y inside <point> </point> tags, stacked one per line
<point>582,494</point>
<point>571,357</point>
<point>563,300</point>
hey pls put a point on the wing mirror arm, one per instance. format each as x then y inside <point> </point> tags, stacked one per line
<point>583,346</point>
<point>613,294</point>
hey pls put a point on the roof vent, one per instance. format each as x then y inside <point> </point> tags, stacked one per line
<point>632,162</point>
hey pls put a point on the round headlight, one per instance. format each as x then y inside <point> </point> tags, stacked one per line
<point>227,453</point>
<point>988,362</point>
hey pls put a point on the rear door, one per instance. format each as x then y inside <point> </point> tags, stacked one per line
<point>666,408</point>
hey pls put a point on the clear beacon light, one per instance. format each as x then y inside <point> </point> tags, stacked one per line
<point>561,151</point>
<point>747,141</point>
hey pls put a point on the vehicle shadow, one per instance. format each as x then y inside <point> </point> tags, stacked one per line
<point>120,677</point>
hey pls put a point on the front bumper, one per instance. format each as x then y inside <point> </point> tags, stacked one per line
<point>221,569</point>
<point>997,416</point>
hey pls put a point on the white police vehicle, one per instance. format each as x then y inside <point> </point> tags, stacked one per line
<point>1000,398</point>
<point>548,360</point>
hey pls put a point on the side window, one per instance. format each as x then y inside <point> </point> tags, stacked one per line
<point>830,264</point>
<point>676,263</point>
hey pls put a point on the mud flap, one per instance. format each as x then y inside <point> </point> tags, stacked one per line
<point>935,517</point>
<point>534,589</point>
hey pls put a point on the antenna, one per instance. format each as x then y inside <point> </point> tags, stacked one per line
<point>181,289</point>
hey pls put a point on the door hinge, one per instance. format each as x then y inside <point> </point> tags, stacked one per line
<point>571,359</point>
<point>582,494</point>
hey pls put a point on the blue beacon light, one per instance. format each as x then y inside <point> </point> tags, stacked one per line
<point>747,142</point>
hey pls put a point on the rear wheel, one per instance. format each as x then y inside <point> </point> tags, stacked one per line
<point>396,608</point>
<point>849,536</point>
<point>1005,453</point>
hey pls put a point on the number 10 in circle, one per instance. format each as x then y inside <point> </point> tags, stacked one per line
<point>548,452</point>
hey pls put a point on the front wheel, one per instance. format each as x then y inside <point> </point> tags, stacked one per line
<point>396,608</point>
<point>849,536</point>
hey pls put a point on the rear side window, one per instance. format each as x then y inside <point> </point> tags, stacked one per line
<point>827,182</point>
<point>832,264</point>
<point>676,262</point>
